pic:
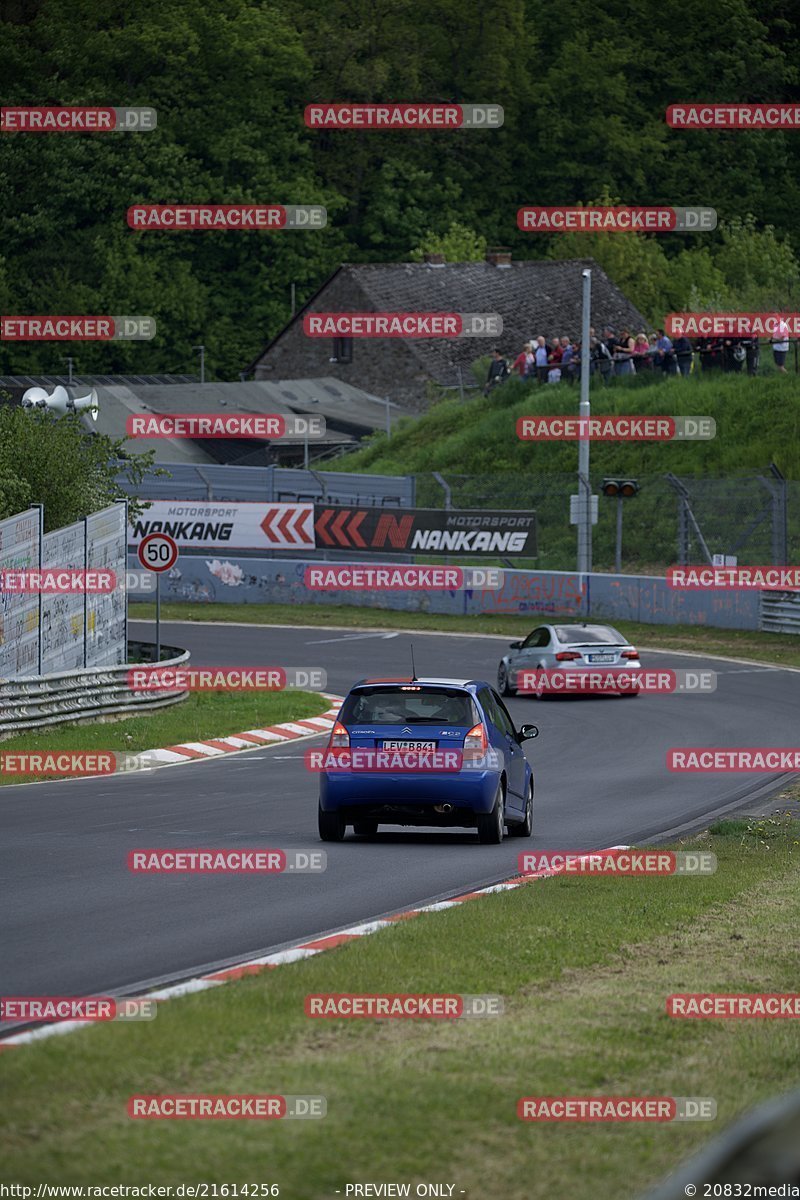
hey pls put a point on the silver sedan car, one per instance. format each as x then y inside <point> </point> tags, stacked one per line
<point>599,650</point>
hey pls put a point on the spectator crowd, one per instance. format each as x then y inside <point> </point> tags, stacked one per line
<point>625,354</point>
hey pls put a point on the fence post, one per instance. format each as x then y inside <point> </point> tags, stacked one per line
<point>780,517</point>
<point>41,567</point>
<point>683,519</point>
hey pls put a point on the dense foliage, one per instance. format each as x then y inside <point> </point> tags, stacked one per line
<point>584,92</point>
<point>53,461</point>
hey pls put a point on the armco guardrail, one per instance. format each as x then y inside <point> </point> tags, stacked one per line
<point>36,701</point>
<point>761,1150</point>
<point>780,612</point>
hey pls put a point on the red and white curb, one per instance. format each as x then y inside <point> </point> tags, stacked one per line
<point>250,739</point>
<point>254,966</point>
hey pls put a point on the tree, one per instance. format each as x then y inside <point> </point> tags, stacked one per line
<point>54,461</point>
<point>457,244</point>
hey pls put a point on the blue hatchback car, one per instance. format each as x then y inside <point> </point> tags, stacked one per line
<point>486,782</point>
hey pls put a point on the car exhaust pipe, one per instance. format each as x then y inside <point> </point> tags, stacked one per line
<point>443,808</point>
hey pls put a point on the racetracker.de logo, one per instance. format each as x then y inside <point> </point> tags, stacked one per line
<point>374,761</point>
<point>763,759</point>
<point>776,325</point>
<point>762,579</point>
<point>389,578</point>
<point>225,679</point>
<point>243,218</point>
<point>174,1107</point>
<point>617,862</point>
<point>418,116</point>
<point>616,429</point>
<point>76,1008</point>
<point>615,219</point>
<point>77,329</point>
<point>267,426</point>
<point>64,762</point>
<point>58,581</point>
<point>740,1005</point>
<point>697,114</point>
<point>227,861</point>
<point>562,682</point>
<point>77,120</point>
<point>402,324</point>
<point>402,1006</point>
<point>658,1109</point>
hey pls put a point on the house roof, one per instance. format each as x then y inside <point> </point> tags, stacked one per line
<point>350,413</point>
<point>533,297</point>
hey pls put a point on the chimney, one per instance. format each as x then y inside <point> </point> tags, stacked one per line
<point>499,256</point>
<point>434,260</point>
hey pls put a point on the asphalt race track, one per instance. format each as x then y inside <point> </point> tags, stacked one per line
<point>75,922</point>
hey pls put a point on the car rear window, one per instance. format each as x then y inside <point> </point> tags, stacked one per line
<point>391,706</point>
<point>577,635</point>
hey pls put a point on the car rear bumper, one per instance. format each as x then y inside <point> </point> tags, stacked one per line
<point>389,797</point>
<point>584,670</point>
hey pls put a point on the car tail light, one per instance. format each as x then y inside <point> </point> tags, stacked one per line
<point>567,655</point>
<point>630,653</point>
<point>339,735</point>
<point>476,739</point>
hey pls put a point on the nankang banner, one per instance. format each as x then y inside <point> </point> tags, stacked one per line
<point>425,530</point>
<point>251,525</point>
<point>238,525</point>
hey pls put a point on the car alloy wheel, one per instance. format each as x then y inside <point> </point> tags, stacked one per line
<point>502,681</point>
<point>525,827</point>
<point>491,825</point>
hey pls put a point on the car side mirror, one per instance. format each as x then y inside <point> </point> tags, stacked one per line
<point>528,731</point>
<point>514,645</point>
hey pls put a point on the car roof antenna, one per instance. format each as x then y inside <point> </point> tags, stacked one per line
<point>413,668</point>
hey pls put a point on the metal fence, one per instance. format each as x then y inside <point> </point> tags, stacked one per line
<point>41,633</point>
<point>42,700</point>
<point>672,520</point>
<point>187,481</point>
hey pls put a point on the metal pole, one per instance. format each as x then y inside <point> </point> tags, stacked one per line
<point>618,554</point>
<point>387,402</point>
<point>294,299</point>
<point>460,384</point>
<point>69,371</point>
<point>305,452</point>
<point>85,593</point>
<point>158,616</point>
<point>585,408</point>
<point>202,350</point>
<point>41,568</point>
<point>127,528</point>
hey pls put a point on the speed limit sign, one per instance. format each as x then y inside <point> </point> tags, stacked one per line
<point>158,552</point>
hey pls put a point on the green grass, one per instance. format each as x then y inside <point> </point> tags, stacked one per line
<point>758,422</point>
<point>781,649</point>
<point>475,446</point>
<point>584,966</point>
<point>201,715</point>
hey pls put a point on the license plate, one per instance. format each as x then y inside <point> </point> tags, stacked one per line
<point>395,745</point>
<point>600,657</point>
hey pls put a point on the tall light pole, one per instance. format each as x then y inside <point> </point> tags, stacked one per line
<point>584,411</point>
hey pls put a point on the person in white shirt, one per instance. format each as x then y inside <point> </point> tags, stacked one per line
<point>780,346</point>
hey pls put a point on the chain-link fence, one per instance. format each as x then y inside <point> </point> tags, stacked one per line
<point>754,518</point>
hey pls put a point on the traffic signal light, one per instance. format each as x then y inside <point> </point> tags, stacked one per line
<point>621,488</point>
